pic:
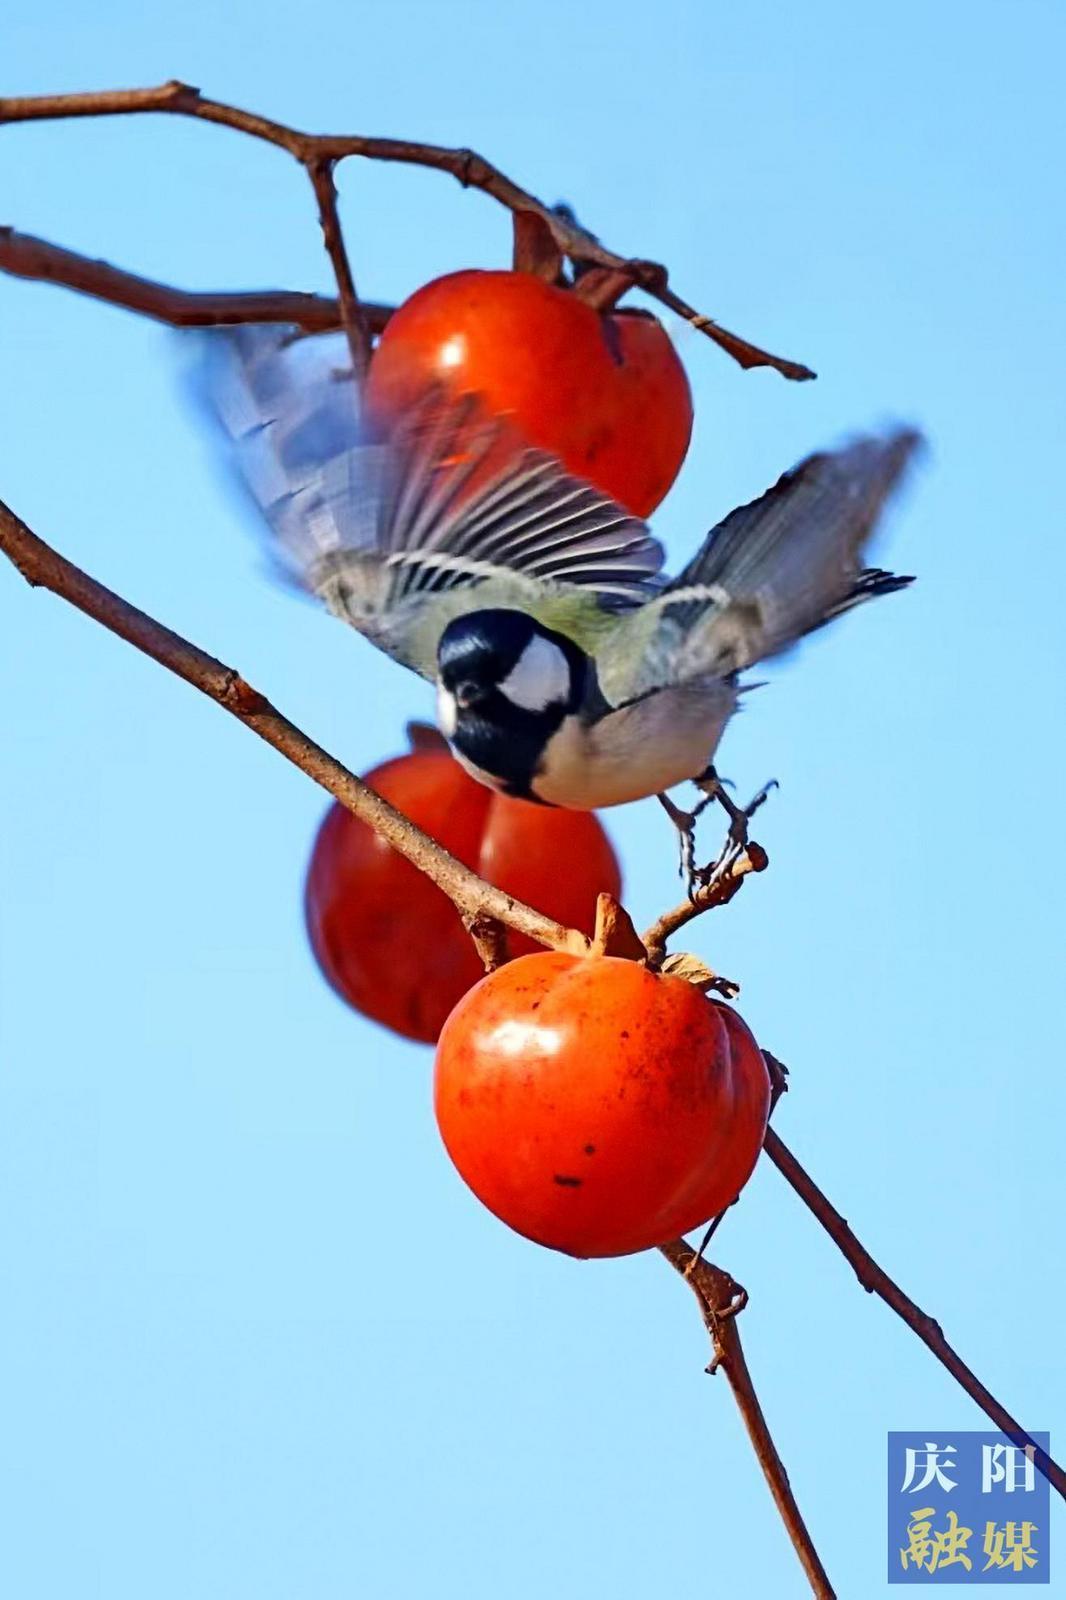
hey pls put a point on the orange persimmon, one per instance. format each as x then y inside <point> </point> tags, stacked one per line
<point>387,939</point>
<point>605,392</point>
<point>597,1107</point>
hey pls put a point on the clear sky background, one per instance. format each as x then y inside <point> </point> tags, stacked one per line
<point>257,1338</point>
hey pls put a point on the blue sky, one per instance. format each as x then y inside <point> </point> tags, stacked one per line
<point>258,1340</point>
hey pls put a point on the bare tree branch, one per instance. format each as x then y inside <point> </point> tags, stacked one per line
<point>23,256</point>
<point>875,1280</point>
<point>352,319</point>
<point>486,911</point>
<point>720,1300</point>
<point>470,169</point>
<point>42,566</point>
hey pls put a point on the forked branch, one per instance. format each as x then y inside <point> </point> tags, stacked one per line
<point>718,892</point>
<point>483,908</point>
<point>318,153</point>
<point>720,1301</point>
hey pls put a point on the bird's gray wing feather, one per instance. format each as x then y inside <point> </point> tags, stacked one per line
<point>399,536</point>
<point>773,571</point>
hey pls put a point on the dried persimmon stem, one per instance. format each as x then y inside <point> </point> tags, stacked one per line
<point>614,933</point>
<point>471,170</point>
<point>490,939</point>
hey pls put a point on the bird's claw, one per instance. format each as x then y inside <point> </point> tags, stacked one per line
<point>686,853</point>
<point>737,837</point>
<point>736,842</point>
<point>685,823</point>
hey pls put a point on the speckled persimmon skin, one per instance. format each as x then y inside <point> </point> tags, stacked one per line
<point>606,394</point>
<point>388,940</point>
<point>595,1107</point>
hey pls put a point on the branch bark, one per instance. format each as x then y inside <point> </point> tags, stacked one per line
<point>470,169</point>
<point>24,256</point>
<point>720,1300</point>
<point>352,320</point>
<point>44,567</point>
<point>875,1280</point>
<point>483,908</point>
<point>718,893</point>
<point>480,905</point>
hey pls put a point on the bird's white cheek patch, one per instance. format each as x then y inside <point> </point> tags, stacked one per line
<point>539,678</point>
<point>446,712</point>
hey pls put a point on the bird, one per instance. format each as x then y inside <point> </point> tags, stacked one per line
<point>568,668</point>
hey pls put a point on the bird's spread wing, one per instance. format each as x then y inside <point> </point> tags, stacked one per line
<point>399,536</point>
<point>773,571</point>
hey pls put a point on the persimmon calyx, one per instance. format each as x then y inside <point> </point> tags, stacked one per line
<point>614,933</point>
<point>535,248</point>
<point>602,287</point>
<point>693,970</point>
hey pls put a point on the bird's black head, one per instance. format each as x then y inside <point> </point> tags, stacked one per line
<point>505,683</point>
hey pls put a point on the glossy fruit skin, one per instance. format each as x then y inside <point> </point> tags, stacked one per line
<point>596,1107</point>
<point>607,394</point>
<point>387,939</point>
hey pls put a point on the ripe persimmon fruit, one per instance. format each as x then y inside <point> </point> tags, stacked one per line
<point>605,392</point>
<point>388,940</point>
<point>597,1107</point>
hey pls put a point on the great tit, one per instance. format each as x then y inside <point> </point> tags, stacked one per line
<point>568,668</point>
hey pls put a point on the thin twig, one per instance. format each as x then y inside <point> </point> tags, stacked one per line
<point>23,256</point>
<point>717,893</point>
<point>485,910</point>
<point>778,1074</point>
<point>42,566</point>
<point>470,169</point>
<point>720,1300</point>
<point>709,1233</point>
<point>875,1280</point>
<point>355,328</point>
